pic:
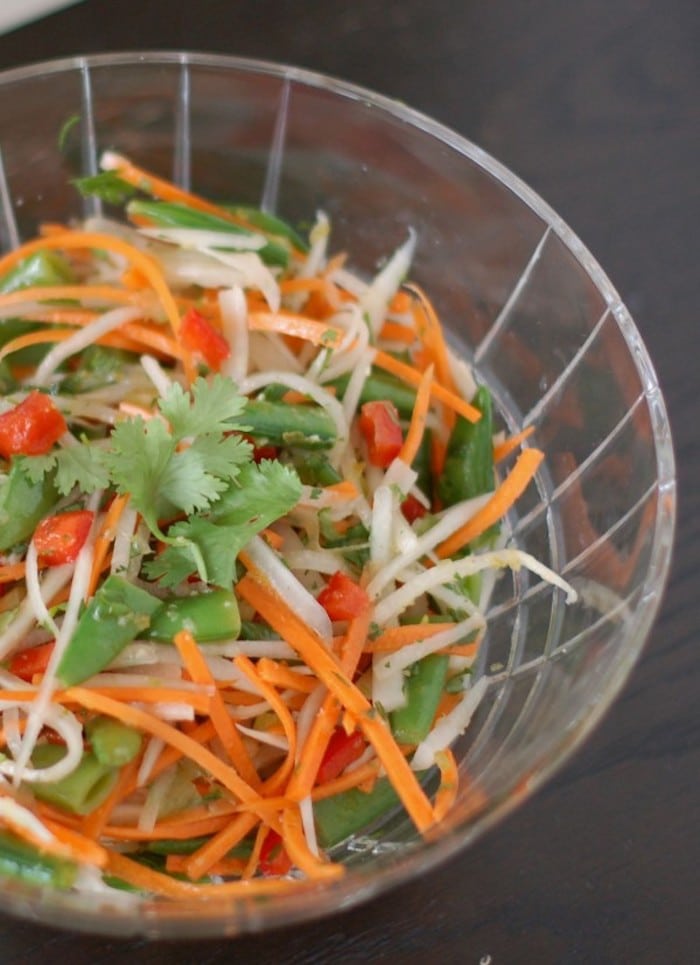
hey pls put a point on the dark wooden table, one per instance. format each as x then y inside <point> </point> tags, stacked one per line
<point>595,104</point>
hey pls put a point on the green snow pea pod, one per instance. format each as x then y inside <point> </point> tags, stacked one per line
<point>117,613</point>
<point>83,790</point>
<point>21,861</point>
<point>42,268</point>
<point>208,616</point>
<point>423,689</point>
<point>338,817</point>
<point>113,743</point>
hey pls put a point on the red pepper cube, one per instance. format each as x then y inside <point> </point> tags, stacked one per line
<point>58,539</point>
<point>31,428</point>
<point>199,335</point>
<point>379,424</point>
<point>343,749</point>
<point>342,598</point>
<point>274,860</point>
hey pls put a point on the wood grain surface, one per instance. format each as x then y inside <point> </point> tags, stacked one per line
<point>596,105</point>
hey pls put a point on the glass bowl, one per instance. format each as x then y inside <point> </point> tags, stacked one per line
<point>520,296</point>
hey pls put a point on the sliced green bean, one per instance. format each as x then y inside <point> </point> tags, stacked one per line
<point>269,223</point>
<point>468,468</point>
<point>42,268</point>
<point>208,616</point>
<point>22,862</point>
<point>113,743</point>
<point>99,366</point>
<point>22,504</point>
<point>83,790</point>
<point>117,613</point>
<point>315,470</point>
<point>302,426</point>
<point>338,817</point>
<point>167,214</point>
<point>423,689</point>
<point>380,386</point>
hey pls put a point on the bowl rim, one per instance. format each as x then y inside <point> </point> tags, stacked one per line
<point>228,917</point>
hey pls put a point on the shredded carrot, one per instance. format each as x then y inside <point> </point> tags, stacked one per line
<point>61,316</point>
<point>395,332</point>
<point>345,489</point>
<point>170,829</point>
<point>498,505</point>
<point>11,572</point>
<point>509,445</point>
<point>413,377</point>
<point>433,338</point>
<point>222,842</point>
<point>416,429</point>
<point>394,638</point>
<point>400,303</point>
<point>104,540</point>
<point>95,822</point>
<point>153,338</point>
<point>272,538</point>
<point>254,859</point>
<point>297,848</point>
<point>41,337</point>
<point>299,326</point>
<point>260,595</point>
<point>446,794</point>
<point>177,863</point>
<point>346,781</point>
<point>83,849</point>
<point>314,748</point>
<point>196,667</point>
<point>79,293</point>
<point>278,674</point>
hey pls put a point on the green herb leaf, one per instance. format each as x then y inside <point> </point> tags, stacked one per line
<point>213,407</point>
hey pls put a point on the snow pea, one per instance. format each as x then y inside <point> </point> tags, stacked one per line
<point>338,817</point>
<point>423,689</point>
<point>208,616</point>
<point>81,791</point>
<point>117,613</point>
<point>22,504</point>
<point>378,387</point>
<point>305,426</point>
<point>21,861</point>
<point>167,214</point>
<point>468,468</point>
<point>113,743</point>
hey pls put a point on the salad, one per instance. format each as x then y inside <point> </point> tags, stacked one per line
<point>250,519</point>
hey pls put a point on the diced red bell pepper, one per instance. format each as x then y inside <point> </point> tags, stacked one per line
<point>31,428</point>
<point>27,663</point>
<point>412,509</point>
<point>342,598</point>
<point>379,424</point>
<point>274,860</point>
<point>342,750</point>
<point>265,452</point>
<point>198,335</point>
<point>59,539</point>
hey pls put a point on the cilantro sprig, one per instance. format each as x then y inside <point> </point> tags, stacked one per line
<point>187,461</point>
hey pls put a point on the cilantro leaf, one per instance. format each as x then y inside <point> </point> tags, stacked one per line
<point>260,495</point>
<point>82,466</point>
<point>223,456</point>
<point>186,482</point>
<point>212,408</point>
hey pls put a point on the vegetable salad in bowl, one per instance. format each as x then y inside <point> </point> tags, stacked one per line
<point>253,508</point>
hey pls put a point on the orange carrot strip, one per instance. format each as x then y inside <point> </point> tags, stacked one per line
<point>414,436</point>
<point>349,779</point>
<point>61,316</point>
<point>95,822</point>
<point>177,863</point>
<point>396,637</point>
<point>11,572</point>
<point>272,538</point>
<point>296,846</point>
<point>449,782</point>
<point>142,721</point>
<point>395,332</point>
<point>299,326</point>
<point>413,377</point>
<point>226,730</point>
<point>178,832</point>
<point>254,859</point>
<point>433,338</point>
<point>314,748</point>
<point>222,842</point>
<point>505,448</point>
<point>154,339</point>
<point>346,489</point>
<point>81,847</point>
<point>104,540</point>
<point>276,780</point>
<point>276,673</point>
<point>81,293</point>
<point>156,882</point>
<point>510,489</point>
<point>35,338</point>
<point>260,595</point>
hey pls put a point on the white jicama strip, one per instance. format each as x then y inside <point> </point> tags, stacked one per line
<point>321,561</point>
<point>451,521</point>
<point>53,582</point>
<point>262,737</point>
<point>14,815</point>
<point>400,474</point>
<point>449,727</point>
<point>31,576</point>
<point>318,236</point>
<point>66,726</point>
<point>384,286</point>
<point>150,756</point>
<point>387,688</point>
<point>10,727</point>
<point>348,282</point>
<point>168,711</point>
<point>123,540</point>
<point>306,812</point>
<point>411,653</point>
<point>268,351</point>
<point>352,346</point>
<point>155,372</point>
<point>254,273</point>
<point>202,238</point>
<point>155,798</point>
<point>380,543</point>
<point>448,570</point>
<point>296,596</point>
<point>234,318</point>
<point>307,715</point>
<point>40,706</point>
<point>107,322</point>
<point>462,374</point>
<point>147,682</point>
<point>247,711</point>
<point>356,383</point>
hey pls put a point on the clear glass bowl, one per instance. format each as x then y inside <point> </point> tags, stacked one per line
<point>521,297</point>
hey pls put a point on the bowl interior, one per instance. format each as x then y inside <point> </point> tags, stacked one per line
<point>520,297</point>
